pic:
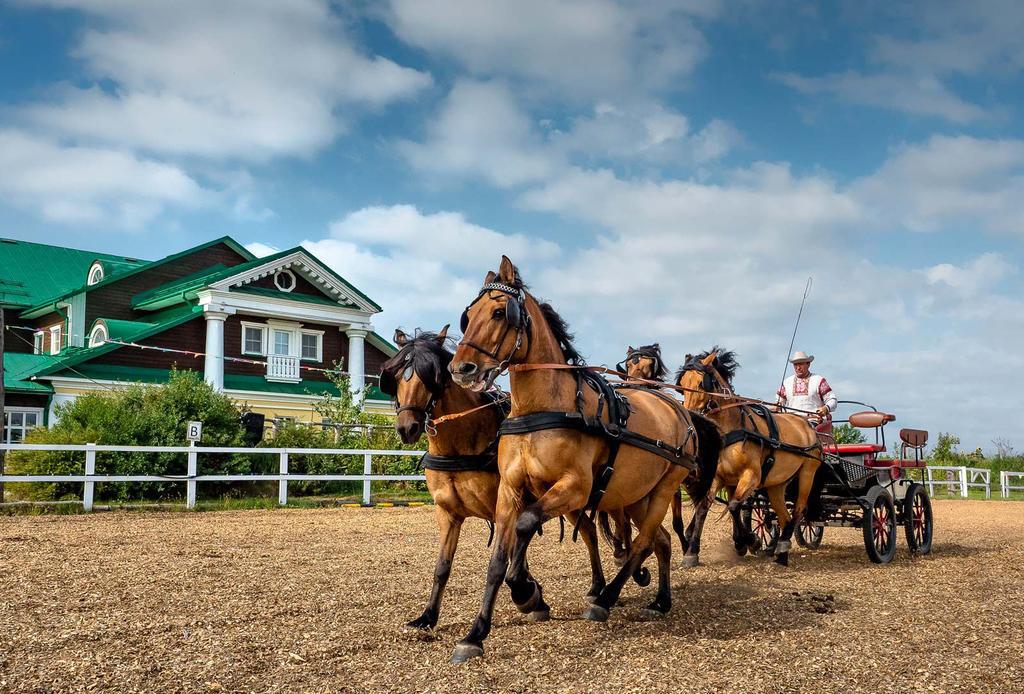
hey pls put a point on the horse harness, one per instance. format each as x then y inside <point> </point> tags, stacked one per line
<point>614,431</point>
<point>652,352</point>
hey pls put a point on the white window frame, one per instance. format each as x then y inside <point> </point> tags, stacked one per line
<point>37,411</point>
<point>96,269</point>
<point>319,334</point>
<point>100,330</point>
<point>285,273</point>
<point>263,328</point>
<point>56,332</point>
<point>38,341</point>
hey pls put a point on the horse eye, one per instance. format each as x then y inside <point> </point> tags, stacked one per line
<point>498,313</point>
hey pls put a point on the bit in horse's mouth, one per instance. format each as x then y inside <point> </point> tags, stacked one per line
<point>484,380</point>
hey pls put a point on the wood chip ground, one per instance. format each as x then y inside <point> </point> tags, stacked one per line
<point>313,600</point>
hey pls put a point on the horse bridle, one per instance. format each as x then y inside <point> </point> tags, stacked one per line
<point>516,318</point>
<point>634,355</point>
<point>389,386</point>
<point>710,375</point>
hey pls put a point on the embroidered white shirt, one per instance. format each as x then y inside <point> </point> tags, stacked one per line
<point>807,393</point>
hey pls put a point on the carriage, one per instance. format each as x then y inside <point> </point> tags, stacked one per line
<point>859,487</point>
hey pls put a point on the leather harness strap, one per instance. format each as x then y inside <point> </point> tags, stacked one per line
<point>771,441</point>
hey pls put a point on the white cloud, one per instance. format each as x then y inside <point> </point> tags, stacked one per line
<point>90,184</point>
<point>238,79</point>
<point>261,250</point>
<point>965,182</point>
<point>481,131</point>
<point>583,48</point>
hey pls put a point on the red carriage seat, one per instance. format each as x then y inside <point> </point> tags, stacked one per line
<point>870,420</point>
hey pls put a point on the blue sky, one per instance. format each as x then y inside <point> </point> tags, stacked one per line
<point>661,171</point>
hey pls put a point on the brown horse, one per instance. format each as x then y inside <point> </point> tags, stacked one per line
<point>461,461</point>
<point>645,364</point>
<point>565,427</point>
<point>753,455</point>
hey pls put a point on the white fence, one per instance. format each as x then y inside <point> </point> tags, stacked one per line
<point>1005,484</point>
<point>961,479</point>
<point>191,479</point>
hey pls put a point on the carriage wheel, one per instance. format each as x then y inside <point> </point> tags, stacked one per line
<point>808,535</point>
<point>917,519</point>
<point>879,526</point>
<point>761,522</point>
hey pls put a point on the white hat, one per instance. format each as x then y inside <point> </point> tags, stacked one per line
<point>800,358</point>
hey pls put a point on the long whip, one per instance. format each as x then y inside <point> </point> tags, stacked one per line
<point>792,340</point>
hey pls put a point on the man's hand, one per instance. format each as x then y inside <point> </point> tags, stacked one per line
<point>823,410</point>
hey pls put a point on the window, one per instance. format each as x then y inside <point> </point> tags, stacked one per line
<point>254,339</point>
<point>19,421</point>
<point>312,345</point>
<point>284,280</point>
<point>95,273</point>
<point>282,342</point>
<point>98,336</point>
<point>38,342</point>
<point>55,339</point>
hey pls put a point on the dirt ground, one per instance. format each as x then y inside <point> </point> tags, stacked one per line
<point>313,600</point>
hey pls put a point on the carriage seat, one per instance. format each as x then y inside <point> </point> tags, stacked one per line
<point>854,448</point>
<point>914,438</point>
<point>870,420</point>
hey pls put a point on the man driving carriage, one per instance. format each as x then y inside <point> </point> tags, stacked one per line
<point>809,392</point>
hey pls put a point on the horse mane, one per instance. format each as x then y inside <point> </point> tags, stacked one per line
<point>562,335</point>
<point>725,363</point>
<point>430,356</point>
<point>557,325</point>
<point>660,372</point>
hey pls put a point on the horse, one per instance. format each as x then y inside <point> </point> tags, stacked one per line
<point>566,446</point>
<point>646,364</point>
<point>760,450</point>
<point>461,460</point>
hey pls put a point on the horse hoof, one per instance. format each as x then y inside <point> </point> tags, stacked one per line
<point>782,559</point>
<point>691,560</point>
<point>531,603</point>
<point>741,550</point>
<point>649,614</point>
<point>596,613</point>
<point>539,616</point>
<point>467,651</point>
<point>642,577</point>
<point>591,598</point>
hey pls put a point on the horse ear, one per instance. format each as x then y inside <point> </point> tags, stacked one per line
<point>400,337</point>
<point>706,361</point>
<point>688,357</point>
<point>629,348</point>
<point>657,346</point>
<point>491,275</point>
<point>443,332</point>
<point>507,271</point>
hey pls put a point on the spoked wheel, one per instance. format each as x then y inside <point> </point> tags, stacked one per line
<point>880,526</point>
<point>761,522</point>
<point>808,535</point>
<point>917,519</point>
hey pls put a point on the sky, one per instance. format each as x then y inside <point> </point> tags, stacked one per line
<point>666,171</point>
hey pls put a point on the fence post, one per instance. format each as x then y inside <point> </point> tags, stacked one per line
<point>988,484</point>
<point>928,477</point>
<point>190,485</point>
<point>282,485</point>
<point>367,470</point>
<point>89,486</point>
<point>1004,482</point>
<point>963,481</point>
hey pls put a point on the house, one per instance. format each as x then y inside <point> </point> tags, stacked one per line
<point>266,330</point>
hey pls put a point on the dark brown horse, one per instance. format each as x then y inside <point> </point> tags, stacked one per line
<point>564,429</point>
<point>461,461</point>
<point>761,449</point>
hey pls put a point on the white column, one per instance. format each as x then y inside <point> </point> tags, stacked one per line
<point>213,369</point>
<point>356,364</point>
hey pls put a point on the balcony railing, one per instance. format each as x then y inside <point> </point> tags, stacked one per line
<point>282,368</point>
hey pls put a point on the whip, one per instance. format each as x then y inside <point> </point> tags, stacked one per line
<point>792,340</point>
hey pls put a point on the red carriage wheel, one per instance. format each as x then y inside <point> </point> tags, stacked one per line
<point>760,520</point>
<point>879,526</point>
<point>808,535</point>
<point>917,519</point>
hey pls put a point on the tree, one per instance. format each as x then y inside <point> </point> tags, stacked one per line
<point>847,433</point>
<point>1004,449</point>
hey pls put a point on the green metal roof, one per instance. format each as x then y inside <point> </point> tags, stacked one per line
<point>32,272</point>
<point>44,306</point>
<point>18,367</point>
<point>178,291</point>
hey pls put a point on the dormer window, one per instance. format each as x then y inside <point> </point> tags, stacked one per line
<point>95,273</point>
<point>284,280</point>
<point>98,336</point>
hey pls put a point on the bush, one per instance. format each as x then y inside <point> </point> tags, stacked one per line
<point>136,416</point>
<point>846,433</point>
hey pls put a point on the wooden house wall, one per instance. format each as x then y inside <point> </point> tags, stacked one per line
<point>25,400</point>
<point>302,285</point>
<point>114,300</point>
<point>334,343</point>
<point>187,336</point>
<point>16,340</point>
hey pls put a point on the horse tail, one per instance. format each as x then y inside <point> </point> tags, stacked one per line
<point>709,445</point>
